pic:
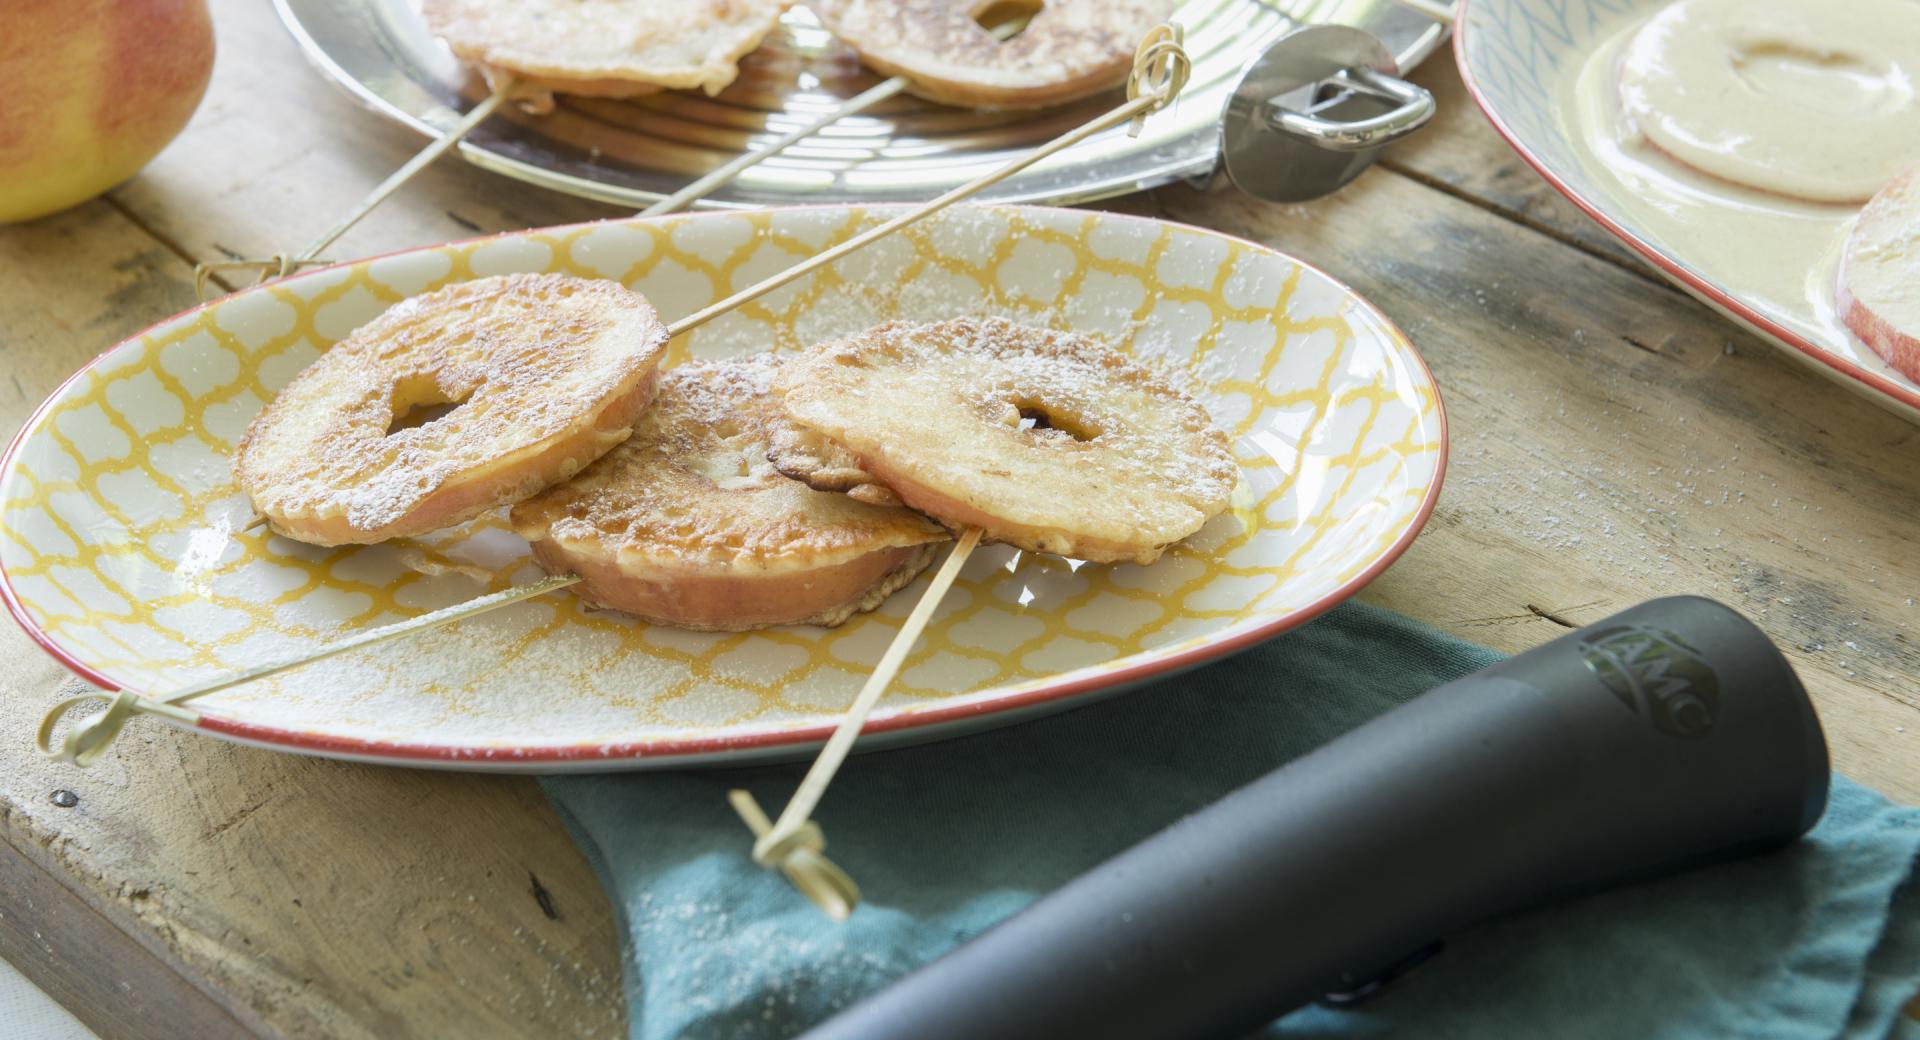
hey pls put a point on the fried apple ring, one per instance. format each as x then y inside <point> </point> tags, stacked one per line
<point>1070,48</point>
<point>604,48</point>
<point>543,373</point>
<point>688,524</point>
<point>1045,440</point>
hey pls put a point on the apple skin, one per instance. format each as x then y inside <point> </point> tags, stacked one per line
<point>1878,295</point>
<point>89,91</point>
<point>1899,347</point>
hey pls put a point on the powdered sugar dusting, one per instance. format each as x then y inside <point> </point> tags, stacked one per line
<point>1036,429</point>
<point>1334,426</point>
<point>528,359</point>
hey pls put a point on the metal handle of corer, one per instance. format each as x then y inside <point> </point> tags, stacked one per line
<point>1413,108</point>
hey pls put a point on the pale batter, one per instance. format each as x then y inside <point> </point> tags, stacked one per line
<point>1810,100</point>
<point>1779,255</point>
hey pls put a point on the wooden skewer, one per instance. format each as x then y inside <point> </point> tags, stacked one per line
<point>724,175</point>
<point>88,739</point>
<point>1138,107</point>
<point>795,843</point>
<point>1160,70</point>
<point>282,265</point>
<point>706,184</point>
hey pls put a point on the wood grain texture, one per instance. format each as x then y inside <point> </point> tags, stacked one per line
<point>1460,154</point>
<point>1612,440</point>
<point>326,900</point>
<point>90,965</point>
<point>277,153</point>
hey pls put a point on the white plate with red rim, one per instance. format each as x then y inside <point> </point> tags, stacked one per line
<point>1541,71</point>
<point>121,549</point>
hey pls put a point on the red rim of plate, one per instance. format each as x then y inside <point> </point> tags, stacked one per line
<point>1899,391</point>
<point>898,719</point>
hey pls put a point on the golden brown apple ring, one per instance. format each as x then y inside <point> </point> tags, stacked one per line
<point>688,524</point>
<point>1070,48</point>
<point>604,48</point>
<point>543,374</point>
<point>1044,440</point>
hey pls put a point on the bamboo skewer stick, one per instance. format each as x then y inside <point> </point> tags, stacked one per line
<point>721,176</point>
<point>89,738</point>
<point>282,265</point>
<point>795,843</point>
<point>1160,70</point>
<point>1134,109</point>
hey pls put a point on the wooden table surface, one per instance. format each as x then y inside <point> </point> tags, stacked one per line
<point>1612,440</point>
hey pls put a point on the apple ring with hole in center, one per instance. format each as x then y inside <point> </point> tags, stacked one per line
<point>452,403</point>
<point>1045,440</point>
<point>1808,100</point>
<point>688,524</point>
<point>1069,49</point>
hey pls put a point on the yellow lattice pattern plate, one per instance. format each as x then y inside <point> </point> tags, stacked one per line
<point>122,551</point>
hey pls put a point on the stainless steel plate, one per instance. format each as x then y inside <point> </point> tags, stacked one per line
<point>633,152</point>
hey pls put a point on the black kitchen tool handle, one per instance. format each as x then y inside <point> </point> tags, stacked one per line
<point>1666,736</point>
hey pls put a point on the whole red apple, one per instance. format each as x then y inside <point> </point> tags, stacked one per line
<point>90,90</point>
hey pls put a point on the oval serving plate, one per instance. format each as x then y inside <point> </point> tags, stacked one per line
<point>120,548</point>
<point>1522,61</point>
<point>633,152</point>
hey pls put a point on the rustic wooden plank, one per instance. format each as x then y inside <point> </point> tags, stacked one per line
<point>1613,441</point>
<point>75,284</point>
<point>277,153</point>
<point>1459,153</point>
<point>91,966</point>
<point>329,900</point>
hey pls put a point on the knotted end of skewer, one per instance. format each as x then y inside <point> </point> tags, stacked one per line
<point>267,269</point>
<point>90,737</point>
<point>281,265</point>
<point>796,845</point>
<point>800,855</point>
<point>1160,70</point>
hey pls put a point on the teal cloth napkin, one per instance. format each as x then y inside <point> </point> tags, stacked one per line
<point>1819,940</point>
